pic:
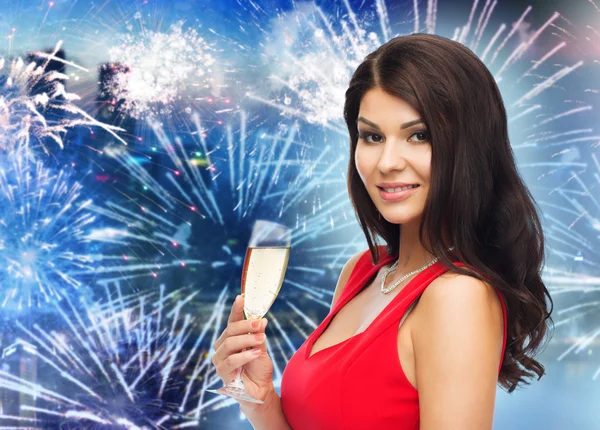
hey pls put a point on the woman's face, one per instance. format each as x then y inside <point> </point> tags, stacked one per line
<point>393,152</point>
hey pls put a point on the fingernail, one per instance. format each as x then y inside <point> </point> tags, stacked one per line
<point>259,336</point>
<point>256,351</point>
<point>237,298</point>
<point>255,324</point>
<point>266,321</point>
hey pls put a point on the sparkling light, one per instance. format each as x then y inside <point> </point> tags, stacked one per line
<point>27,92</point>
<point>159,69</point>
<point>43,223</point>
<point>125,362</point>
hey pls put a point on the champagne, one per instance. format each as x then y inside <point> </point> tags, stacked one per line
<point>264,269</point>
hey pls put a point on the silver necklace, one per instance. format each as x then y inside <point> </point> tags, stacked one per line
<point>385,290</point>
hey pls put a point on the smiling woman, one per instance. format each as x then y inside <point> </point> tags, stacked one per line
<point>422,329</point>
<point>438,120</point>
<point>393,137</point>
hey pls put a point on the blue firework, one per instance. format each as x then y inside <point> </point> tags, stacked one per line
<point>127,361</point>
<point>43,224</point>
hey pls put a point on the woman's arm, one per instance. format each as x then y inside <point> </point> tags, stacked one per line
<point>457,341</point>
<point>268,416</point>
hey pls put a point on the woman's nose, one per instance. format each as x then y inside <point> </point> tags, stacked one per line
<point>391,158</point>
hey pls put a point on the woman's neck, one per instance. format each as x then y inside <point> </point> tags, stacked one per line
<point>412,253</point>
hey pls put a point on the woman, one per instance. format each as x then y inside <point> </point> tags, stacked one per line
<point>421,330</point>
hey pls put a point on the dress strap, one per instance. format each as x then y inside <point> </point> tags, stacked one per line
<point>361,273</point>
<point>411,292</point>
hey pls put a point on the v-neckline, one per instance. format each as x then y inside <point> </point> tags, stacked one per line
<point>339,305</point>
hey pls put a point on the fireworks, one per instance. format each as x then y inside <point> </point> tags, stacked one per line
<point>50,245</point>
<point>203,201</point>
<point>315,63</point>
<point>201,206</point>
<point>320,52</point>
<point>573,229</point>
<point>42,234</point>
<point>156,69</point>
<point>128,362</point>
<point>188,191</point>
<point>28,93</point>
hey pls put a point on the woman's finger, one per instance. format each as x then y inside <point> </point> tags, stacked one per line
<point>226,367</point>
<point>234,344</point>
<point>236,313</point>
<point>240,327</point>
<point>237,310</point>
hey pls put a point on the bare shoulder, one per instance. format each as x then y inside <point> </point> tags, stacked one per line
<point>458,290</point>
<point>457,339</point>
<point>345,275</point>
<point>457,299</point>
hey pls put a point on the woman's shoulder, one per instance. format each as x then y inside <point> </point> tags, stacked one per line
<point>464,286</point>
<point>458,344</point>
<point>463,304</point>
<point>354,263</point>
<point>451,287</point>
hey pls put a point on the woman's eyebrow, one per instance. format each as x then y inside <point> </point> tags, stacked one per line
<point>402,127</point>
<point>369,123</point>
<point>411,123</point>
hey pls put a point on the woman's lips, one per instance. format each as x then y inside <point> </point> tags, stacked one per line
<point>400,195</point>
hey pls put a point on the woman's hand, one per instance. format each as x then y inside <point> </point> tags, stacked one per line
<point>258,367</point>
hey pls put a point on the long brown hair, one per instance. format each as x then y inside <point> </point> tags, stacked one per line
<point>477,200</point>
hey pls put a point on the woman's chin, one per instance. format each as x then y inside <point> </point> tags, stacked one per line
<point>400,219</point>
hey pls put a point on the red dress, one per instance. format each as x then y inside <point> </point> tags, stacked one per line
<point>358,383</point>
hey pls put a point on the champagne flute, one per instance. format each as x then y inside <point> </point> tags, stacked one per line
<point>264,269</point>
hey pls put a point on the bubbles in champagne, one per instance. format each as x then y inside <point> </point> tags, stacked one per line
<point>263,274</point>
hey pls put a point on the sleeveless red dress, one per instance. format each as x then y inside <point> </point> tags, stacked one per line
<point>358,383</point>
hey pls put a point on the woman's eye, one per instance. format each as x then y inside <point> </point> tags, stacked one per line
<point>422,136</point>
<point>371,137</point>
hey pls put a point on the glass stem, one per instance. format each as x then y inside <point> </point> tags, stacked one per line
<point>237,381</point>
